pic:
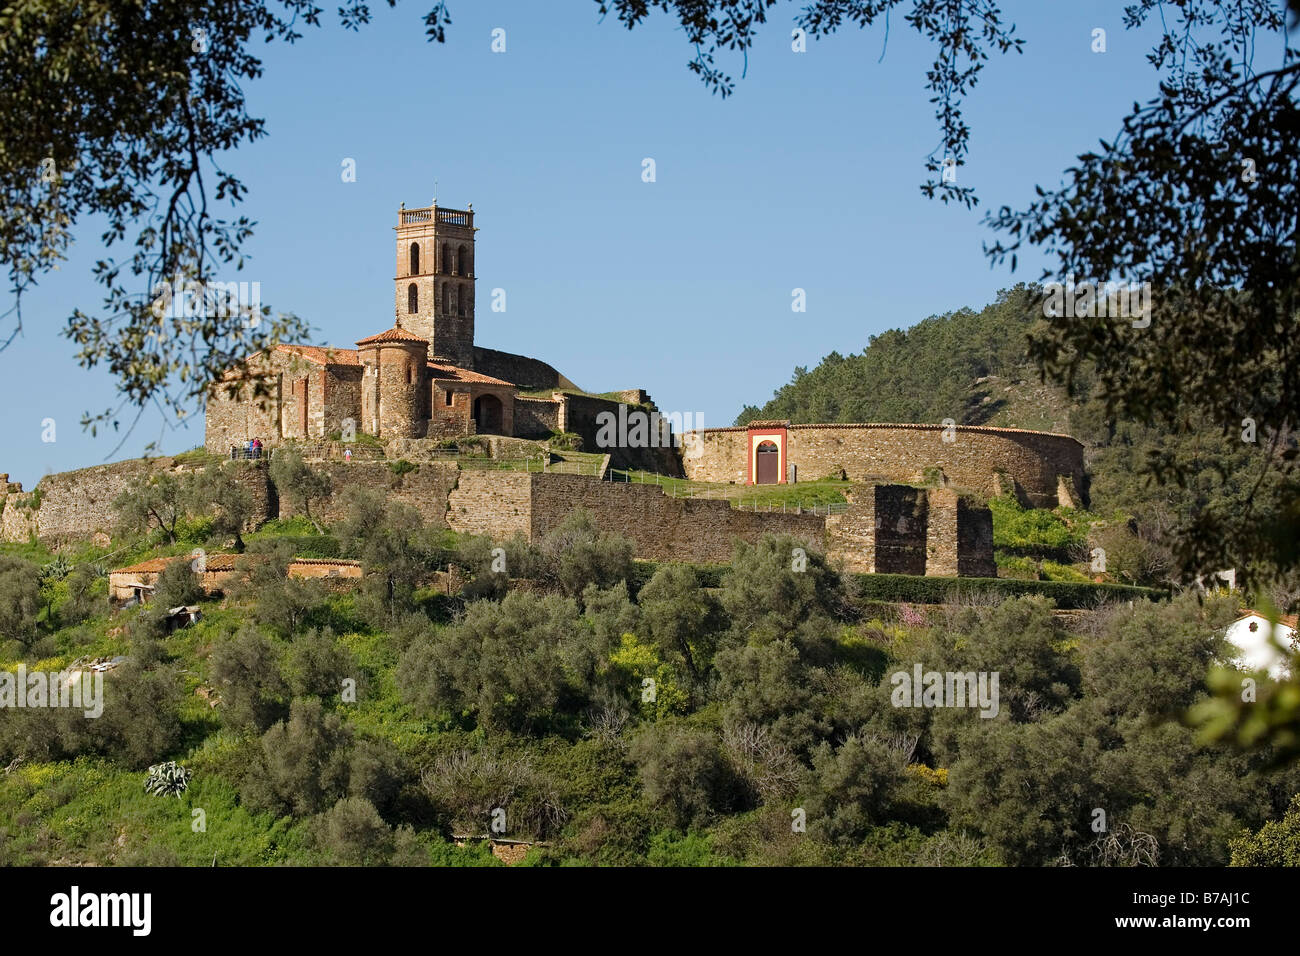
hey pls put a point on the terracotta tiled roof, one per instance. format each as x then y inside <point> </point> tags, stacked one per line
<point>776,423</point>
<point>453,373</point>
<point>394,334</point>
<point>322,355</point>
<point>225,562</point>
<point>213,562</point>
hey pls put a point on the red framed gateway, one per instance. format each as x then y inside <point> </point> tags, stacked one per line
<point>767,446</point>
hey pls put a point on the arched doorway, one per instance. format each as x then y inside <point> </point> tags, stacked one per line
<point>487,413</point>
<point>767,462</point>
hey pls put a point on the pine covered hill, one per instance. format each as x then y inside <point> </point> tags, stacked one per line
<point>973,367</point>
<point>968,366</point>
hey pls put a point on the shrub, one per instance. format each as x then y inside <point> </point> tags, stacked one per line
<point>295,480</point>
<point>352,833</point>
<point>565,441</point>
<point>302,766</point>
<point>1276,843</point>
<point>177,584</point>
<point>577,554</point>
<point>20,598</point>
<point>318,663</point>
<point>1015,527</point>
<point>685,774</point>
<point>246,671</point>
<point>940,590</point>
<point>780,588</point>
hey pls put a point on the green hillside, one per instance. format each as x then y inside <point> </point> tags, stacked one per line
<point>968,366</point>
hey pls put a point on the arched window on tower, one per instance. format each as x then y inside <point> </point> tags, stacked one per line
<point>415,258</point>
<point>412,299</point>
<point>410,375</point>
<point>446,259</point>
<point>460,261</point>
<point>460,301</point>
<point>446,298</point>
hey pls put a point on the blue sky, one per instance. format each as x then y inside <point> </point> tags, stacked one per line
<point>806,178</point>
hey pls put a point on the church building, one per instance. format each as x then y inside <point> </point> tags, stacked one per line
<point>423,377</point>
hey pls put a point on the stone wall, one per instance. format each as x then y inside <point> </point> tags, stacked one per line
<point>256,479</point>
<point>78,505</point>
<point>887,528</point>
<point>896,529</point>
<point>342,389</point>
<point>449,420</point>
<point>661,527</point>
<point>580,414</point>
<point>529,374</point>
<point>497,504</point>
<point>536,417</point>
<point>851,534</point>
<point>910,454</point>
<point>234,420</point>
<point>902,525</point>
<point>425,489</point>
<point>73,504</point>
<point>975,541</point>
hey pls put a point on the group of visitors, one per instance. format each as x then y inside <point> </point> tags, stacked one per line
<point>253,449</point>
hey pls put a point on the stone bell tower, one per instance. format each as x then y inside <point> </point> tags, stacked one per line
<point>435,280</point>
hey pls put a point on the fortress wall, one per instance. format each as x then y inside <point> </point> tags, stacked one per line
<point>851,534</point>
<point>720,456</point>
<point>342,387</point>
<point>903,453</point>
<point>425,490</point>
<point>255,477</point>
<point>902,520</point>
<point>536,417</point>
<point>975,541</point>
<point>497,504</point>
<point>76,505</point>
<point>581,412</point>
<point>662,527</point>
<point>886,529</point>
<point>233,421</point>
<point>527,373</point>
<point>942,532</point>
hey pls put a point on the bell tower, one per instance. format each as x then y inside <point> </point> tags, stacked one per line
<point>435,280</point>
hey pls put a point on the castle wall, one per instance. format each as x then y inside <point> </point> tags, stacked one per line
<point>529,374</point>
<point>342,398</point>
<point>886,529</point>
<point>454,420</point>
<point>902,524</point>
<point>536,417</point>
<point>233,421</point>
<point>662,527</point>
<point>851,534</point>
<point>579,415</point>
<point>425,489</point>
<point>77,505</point>
<point>943,532</point>
<point>497,504</point>
<point>975,541</point>
<point>904,453</point>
